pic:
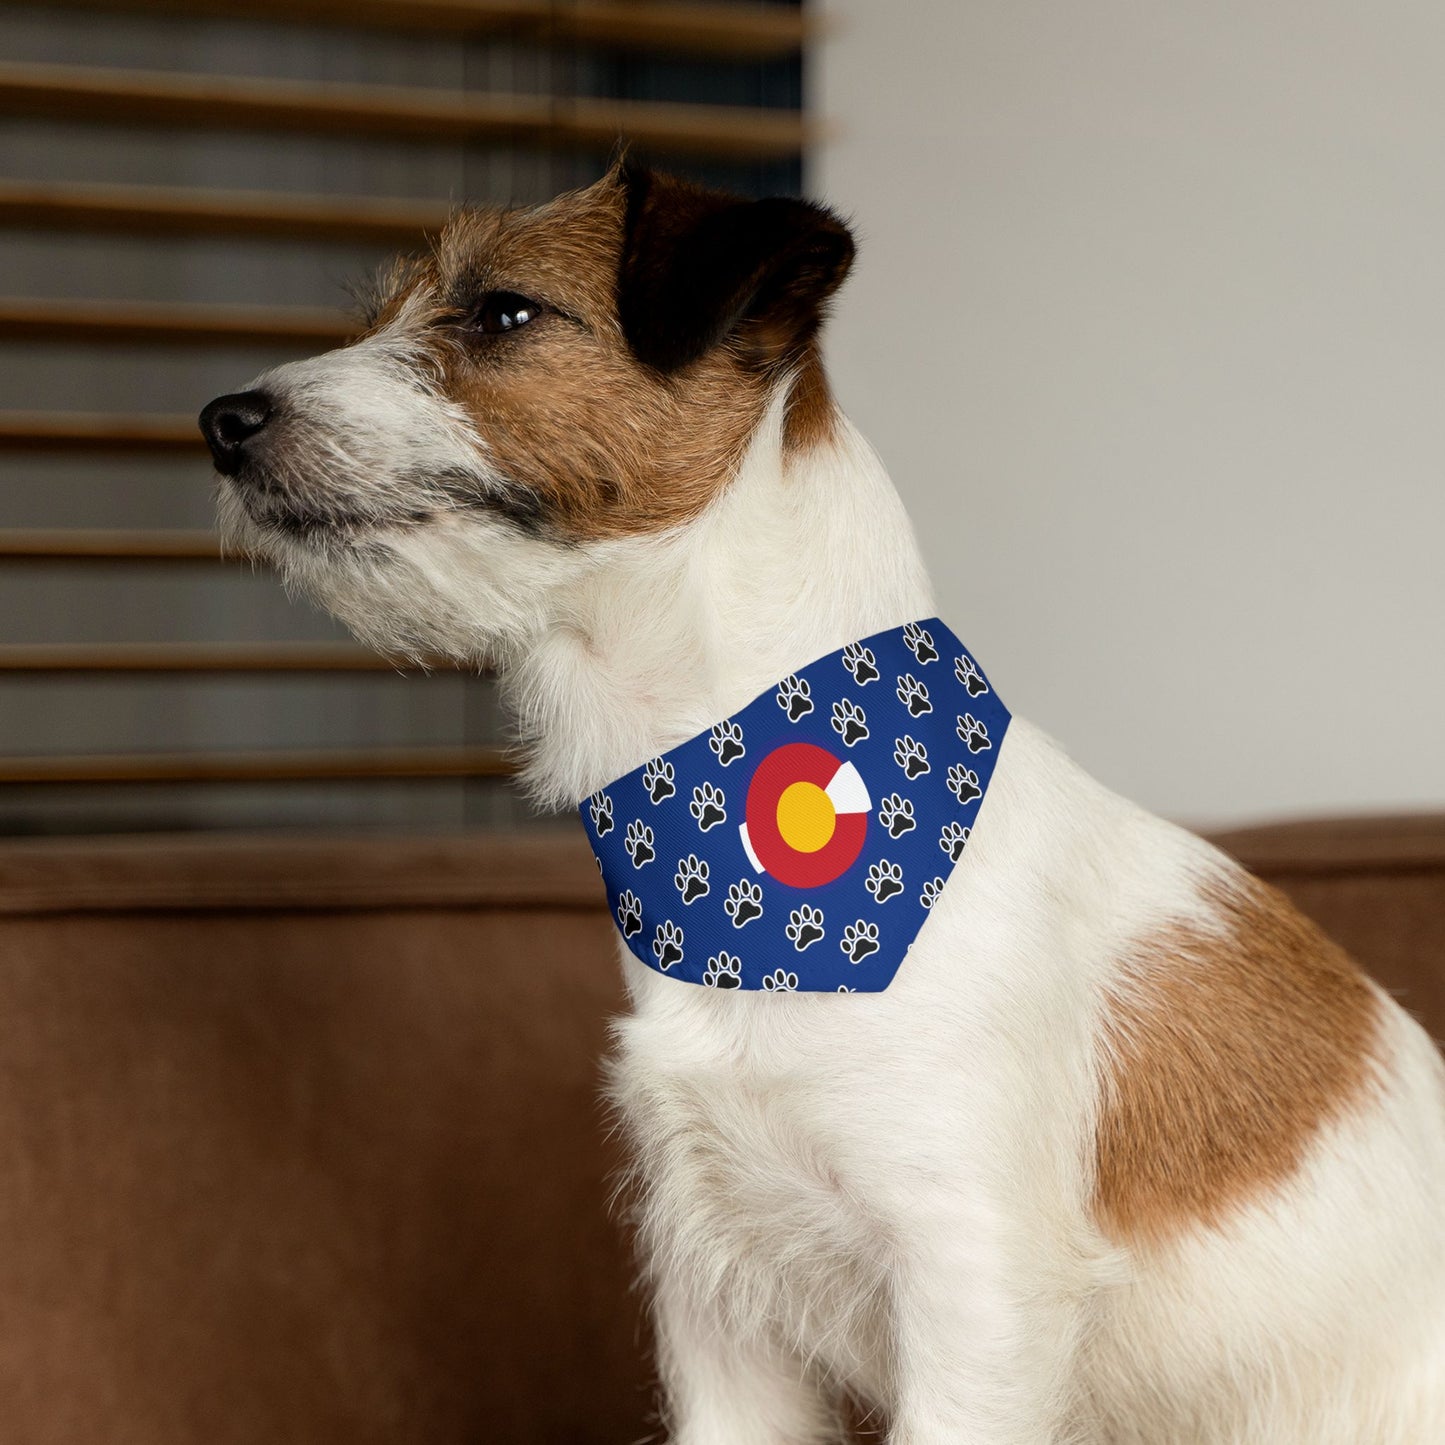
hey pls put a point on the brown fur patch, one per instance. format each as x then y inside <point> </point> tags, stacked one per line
<point>812,415</point>
<point>1227,1052</point>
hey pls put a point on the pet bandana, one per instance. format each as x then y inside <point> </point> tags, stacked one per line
<point>799,844</point>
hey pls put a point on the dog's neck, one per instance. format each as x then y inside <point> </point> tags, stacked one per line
<point>665,635</point>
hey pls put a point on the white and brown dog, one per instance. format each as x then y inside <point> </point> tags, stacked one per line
<point>1127,1152</point>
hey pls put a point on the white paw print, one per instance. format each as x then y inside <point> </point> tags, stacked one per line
<point>691,878</point>
<point>913,695</point>
<point>954,839</point>
<point>859,940</point>
<point>667,945</point>
<point>629,913</point>
<point>659,778</point>
<point>805,926</point>
<point>600,807</point>
<point>910,755</point>
<point>931,891</point>
<point>795,697</point>
<point>640,843</point>
<point>723,971</point>
<point>920,643</point>
<point>963,783</point>
<point>780,982</point>
<point>895,812</point>
<point>744,902</point>
<point>965,669</point>
<point>708,806</point>
<point>974,733</point>
<point>861,662</point>
<point>726,741</point>
<point>884,880</point>
<point>849,722</point>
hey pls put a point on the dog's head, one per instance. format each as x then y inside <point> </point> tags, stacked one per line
<point>544,383</point>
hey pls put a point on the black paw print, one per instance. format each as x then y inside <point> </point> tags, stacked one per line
<point>859,660</point>
<point>667,945</point>
<point>914,695</point>
<point>744,902</point>
<point>850,722</point>
<point>708,806</point>
<point>911,756</point>
<point>658,778</point>
<point>805,926</point>
<point>780,982</point>
<point>795,697</point>
<point>600,806</point>
<point>896,814</point>
<point>920,643</point>
<point>931,891</point>
<point>727,742</point>
<point>640,843</point>
<point>954,839</point>
<point>859,940</point>
<point>965,669</point>
<point>629,913</point>
<point>963,783</point>
<point>691,878</point>
<point>974,733</point>
<point>723,971</point>
<point>884,880</point>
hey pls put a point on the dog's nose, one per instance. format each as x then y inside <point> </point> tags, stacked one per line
<point>229,422</point>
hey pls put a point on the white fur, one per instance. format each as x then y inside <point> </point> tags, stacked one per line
<point>889,1194</point>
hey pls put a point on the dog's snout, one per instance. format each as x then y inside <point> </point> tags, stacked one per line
<point>229,422</point>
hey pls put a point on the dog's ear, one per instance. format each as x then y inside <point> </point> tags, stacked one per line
<point>700,266</point>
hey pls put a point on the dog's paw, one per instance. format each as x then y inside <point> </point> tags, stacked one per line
<point>884,880</point>
<point>974,733</point>
<point>667,945</point>
<point>726,740</point>
<point>660,779</point>
<point>896,814</point>
<point>640,844</point>
<point>723,971</point>
<point>954,839</point>
<point>931,891</point>
<point>913,695</point>
<point>795,697</point>
<point>911,756</point>
<point>600,807</point>
<point>779,981</point>
<point>744,902</point>
<point>860,661</point>
<point>708,806</point>
<point>805,926</point>
<point>629,913</point>
<point>691,878</point>
<point>920,643</point>
<point>850,722</point>
<point>859,940</point>
<point>965,669</point>
<point>963,783</point>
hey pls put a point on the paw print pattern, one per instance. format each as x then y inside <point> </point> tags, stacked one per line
<point>954,839</point>
<point>691,878</point>
<point>726,740</point>
<point>780,982</point>
<point>911,756</point>
<point>850,722</point>
<point>805,926</point>
<point>884,880</point>
<point>708,806</point>
<point>931,891</point>
<point>795,697</point>
<point>629,913</point>
<point>920,643</point>
<point>963,783</point>
<point>744,902</point>
<point>913,695</point>
<point>974,733</point>
<point>859,940</point>
<point>896,814</point>
<point>640,843</point>
<point>965,669</point>
<point>723,971</point>
<point>861,662</point>
<point>843,988</point>
<point>600,806</point>
<point>667,945</point>
<point>660,779</point>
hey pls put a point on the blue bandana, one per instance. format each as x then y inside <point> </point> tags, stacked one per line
<point>799,844</point>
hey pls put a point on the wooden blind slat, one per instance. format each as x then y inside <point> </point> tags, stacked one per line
<point>755,32</point>
<point>81,544</point>
<point>218,102</point>
<point>172,323</point>
<point>77,431</point>
<point>184,657</point>
<point>172,211</point>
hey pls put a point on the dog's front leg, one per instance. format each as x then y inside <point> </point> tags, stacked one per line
<point>725,1387</point>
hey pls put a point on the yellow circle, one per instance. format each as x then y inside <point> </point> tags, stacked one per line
<point>805,817</point>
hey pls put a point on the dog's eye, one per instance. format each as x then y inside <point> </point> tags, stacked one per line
<point>504,311</point>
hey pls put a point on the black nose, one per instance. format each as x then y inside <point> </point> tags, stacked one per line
<point>229,422</point>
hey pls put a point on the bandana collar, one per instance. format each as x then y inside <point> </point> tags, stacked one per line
<point>799,844</point>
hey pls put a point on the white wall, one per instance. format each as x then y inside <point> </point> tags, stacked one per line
<point>1149,324</point>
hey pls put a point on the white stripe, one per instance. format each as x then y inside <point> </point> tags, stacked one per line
<point>848,793</point>
<point>748,848</point>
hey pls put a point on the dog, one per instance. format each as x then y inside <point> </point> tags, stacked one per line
<point>1126,1151</point>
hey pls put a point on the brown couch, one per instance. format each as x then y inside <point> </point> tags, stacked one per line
<point>302,1141</point>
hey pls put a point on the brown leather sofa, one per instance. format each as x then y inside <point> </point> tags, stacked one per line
<point>302,1141</point>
